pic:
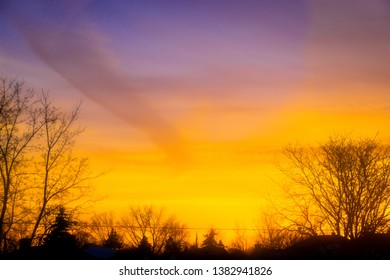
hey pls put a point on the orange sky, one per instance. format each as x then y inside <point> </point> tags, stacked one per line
<point>192,112</point>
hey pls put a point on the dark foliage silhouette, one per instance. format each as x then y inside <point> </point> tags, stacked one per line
<point>114,240</point>
<point>60,241</point>
<point>173,248</point>
<point>144,249</point>
<point>211,248</point>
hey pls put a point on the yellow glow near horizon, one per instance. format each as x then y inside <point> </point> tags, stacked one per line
<point>228,180</point>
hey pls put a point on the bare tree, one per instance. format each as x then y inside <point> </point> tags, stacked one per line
<point>154,224</point>
<point>342,186</point>
<point>19,124</point>
<point>38,172</point>
<point>241,239</point>
<point>61,177</point>
<point>274,233</point>
<point>100,226</point>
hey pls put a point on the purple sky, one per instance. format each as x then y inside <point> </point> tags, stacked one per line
<point>129,56</point>
<point>150,62</point>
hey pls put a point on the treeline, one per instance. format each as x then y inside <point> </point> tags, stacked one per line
<point>158,236</point>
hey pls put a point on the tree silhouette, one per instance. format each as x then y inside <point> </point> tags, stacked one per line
<point>144,249</point>
<point>211,248</point>
<point>19,125</point>
<point>38,171</point>
<point>241,240</point>
<point>154,224</point>
<point>342,186</point>
<point>114,240</point>
<point>271,234</point>
<point>100,227</point>
<point>209,239</point>
<point>59,239</point>
<point>173,248</point>
<point>61,177</point>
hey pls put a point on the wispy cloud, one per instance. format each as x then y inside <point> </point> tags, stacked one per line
<point>79,53</point>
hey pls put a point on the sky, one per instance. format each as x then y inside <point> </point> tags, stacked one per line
<point>187,104</point>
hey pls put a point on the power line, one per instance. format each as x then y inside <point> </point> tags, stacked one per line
<point>86,225</point>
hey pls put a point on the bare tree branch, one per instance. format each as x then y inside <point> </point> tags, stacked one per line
<point>343,185</point>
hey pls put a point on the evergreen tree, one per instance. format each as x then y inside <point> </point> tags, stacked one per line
<point>173,248</point>
<point>209,241</point>
<point>59,238</point>
<point>144,249</point>
<point>114,240</point>
<point>211,248</point>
